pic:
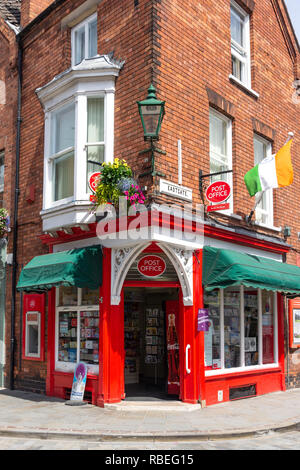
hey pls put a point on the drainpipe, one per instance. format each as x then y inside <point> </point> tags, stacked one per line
<point>15,222</point>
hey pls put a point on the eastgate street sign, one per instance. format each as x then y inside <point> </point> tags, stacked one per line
<point>151,266</point>
<point>175,190</point>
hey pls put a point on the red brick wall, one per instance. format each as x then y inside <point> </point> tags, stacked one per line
<point>184,49</point>
<point>32,8</point>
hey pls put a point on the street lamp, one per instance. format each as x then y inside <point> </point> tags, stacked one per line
<point>151,112</point>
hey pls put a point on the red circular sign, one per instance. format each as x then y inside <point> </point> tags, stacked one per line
<point>93,181</point>
<point>218,191</point>
<point>151,266</point>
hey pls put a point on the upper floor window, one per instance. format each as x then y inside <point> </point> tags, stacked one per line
<point>240,45</point>
<point>220,147</point>
<point>264,209</point>
<point>62,154</point>
<point>80,121</point>
<point>1,172</point>
<point>219,143</point>
<point>84,40</point>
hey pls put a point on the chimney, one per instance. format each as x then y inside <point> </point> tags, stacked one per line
<point>30,9</point>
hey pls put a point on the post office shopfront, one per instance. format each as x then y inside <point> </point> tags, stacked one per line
<point>132,312</point>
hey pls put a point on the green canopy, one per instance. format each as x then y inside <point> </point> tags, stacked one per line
<point>225,268</point>
<point>81,267</point>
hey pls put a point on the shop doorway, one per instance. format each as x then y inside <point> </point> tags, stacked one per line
<point>151,343</point>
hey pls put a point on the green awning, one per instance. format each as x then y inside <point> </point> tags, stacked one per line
<point>81,267</point>
<point>225,268</point>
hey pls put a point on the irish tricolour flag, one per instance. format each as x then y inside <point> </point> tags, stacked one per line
<point>275,171</point>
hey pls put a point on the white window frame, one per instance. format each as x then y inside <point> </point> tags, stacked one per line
<point>212,154</point>
<point>70,366</point>
<point>260,365</point>
<point>269,211</point>
<point>28,323</point>
<point>80,146</point>
<point>84,24</point>
<point>243,54</point>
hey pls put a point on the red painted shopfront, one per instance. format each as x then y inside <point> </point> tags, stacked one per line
<point>199,382</point>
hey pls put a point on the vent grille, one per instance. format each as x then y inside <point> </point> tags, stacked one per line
<point>247,391</point>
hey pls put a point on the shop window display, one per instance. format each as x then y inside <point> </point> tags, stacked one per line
<point>212,336</point>
<point>251,327</point>
<point>232,336</point>
<point>77,326</point>
<point>242,328</point>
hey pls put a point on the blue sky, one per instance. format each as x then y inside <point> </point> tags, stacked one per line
<point>293,7</point>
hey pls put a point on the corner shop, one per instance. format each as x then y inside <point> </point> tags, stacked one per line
<point>226,364</point>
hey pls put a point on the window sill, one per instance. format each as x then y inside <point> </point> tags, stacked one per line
<point>269,227</point>
<point>239,370</point>
<point>65,215</point>
<point>244,87</point>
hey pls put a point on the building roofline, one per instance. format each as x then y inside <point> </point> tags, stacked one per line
<point>40,17</point>
<point>291,24</point>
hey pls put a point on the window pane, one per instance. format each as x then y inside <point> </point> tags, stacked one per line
<point>267,326</point>
<point>79,45</point>
<point>63,129</point>
<point>232,337</point>
<point>95,110</point>
<point>212,336</point>
<point>251,327</point>
<point>217,130</point>
<point>262,213</point>
<point>33,339</point>
<point>64,176</point>
<point>67,295</point>
<point>237,68</point>
<point>237,25</point>
<point>89,337</point>
<point>89,296</point>
<point>67,336</point>
<point>93,38</point>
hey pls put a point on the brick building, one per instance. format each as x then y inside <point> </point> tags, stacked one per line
<point>227,72</point>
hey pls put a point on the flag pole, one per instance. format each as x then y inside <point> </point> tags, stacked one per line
<point>249,217</point>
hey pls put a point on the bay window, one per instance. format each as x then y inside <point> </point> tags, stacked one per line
<point>242,329</point>
<point>77,331</point>
<point>79,136</point>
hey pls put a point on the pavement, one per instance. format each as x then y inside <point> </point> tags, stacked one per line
<point>25,414</point>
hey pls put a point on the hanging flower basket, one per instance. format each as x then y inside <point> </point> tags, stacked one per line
<point>4,223</point>
<point>115,181</point>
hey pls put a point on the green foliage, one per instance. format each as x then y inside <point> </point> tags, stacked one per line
<point>4,222</point>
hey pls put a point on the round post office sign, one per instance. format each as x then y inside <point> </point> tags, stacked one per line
<point>93,181</point>
<point>151,266</point>
<point>218,192</point>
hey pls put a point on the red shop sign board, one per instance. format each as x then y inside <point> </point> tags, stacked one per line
<point>217,193</point>
<point>151,266</point>
<point>218,207</point>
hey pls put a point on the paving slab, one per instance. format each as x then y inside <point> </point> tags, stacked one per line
<point>25,413</point>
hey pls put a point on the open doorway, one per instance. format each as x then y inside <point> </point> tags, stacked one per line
<point>151,342</point>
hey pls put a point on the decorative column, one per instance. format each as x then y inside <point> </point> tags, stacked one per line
<point>192,341</point>
<point>111,341</point>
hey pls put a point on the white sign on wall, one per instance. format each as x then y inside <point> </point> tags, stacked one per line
<point>175,190</point>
